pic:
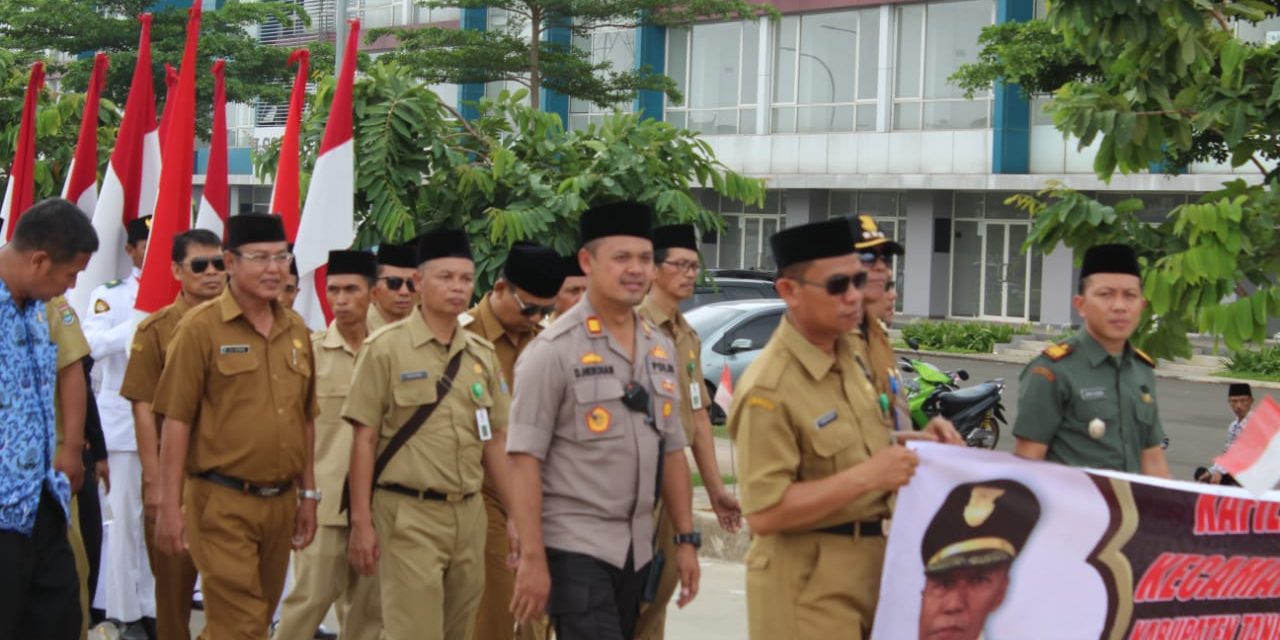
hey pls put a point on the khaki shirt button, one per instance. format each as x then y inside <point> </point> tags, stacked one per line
<point>279,410</point>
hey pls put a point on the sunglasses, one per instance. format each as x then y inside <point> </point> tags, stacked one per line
<point>199,265</point>
<point>869,257</point>
<point>394,283</point>
<point>838,285</point>
<point>528,310</point>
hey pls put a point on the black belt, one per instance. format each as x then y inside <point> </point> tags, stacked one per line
<point>244,486</point>
<point>872,529</point>
<point>427,494</point>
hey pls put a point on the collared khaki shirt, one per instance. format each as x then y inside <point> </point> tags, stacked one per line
<point>599,458</point>
<point>335,363</point>
<point>482,321</point>
<point>247,397</point>
<point>64,331</point>
<point>146,355</point>
<point>375,318</point>
<point>800,415</point>
<point>396,372</point>
<point>693,393</point>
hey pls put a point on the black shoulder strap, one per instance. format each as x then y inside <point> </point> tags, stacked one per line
<point>410,427</point>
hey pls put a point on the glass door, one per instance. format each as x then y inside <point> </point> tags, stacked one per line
<point>1006,271</point>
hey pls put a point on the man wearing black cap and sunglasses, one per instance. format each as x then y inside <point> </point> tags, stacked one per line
<point>396,293</point>
<point>198,265</point>
<point>1091,401</point>
<point>815,453</point>
<point>595,438</point>
<point>510,316</point>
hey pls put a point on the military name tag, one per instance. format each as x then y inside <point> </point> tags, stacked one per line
<point>233,348</point>
<point>412,375</point>
<point>482,424</point>
<point>695,395</point>
<point>1093,393</point>
<point>826,419</point>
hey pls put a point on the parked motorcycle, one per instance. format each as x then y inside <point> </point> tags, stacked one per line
<point>977,412</point>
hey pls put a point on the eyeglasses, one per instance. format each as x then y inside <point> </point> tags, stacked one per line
<point>684,265</point>
<point>529,311</point>
<point>199,265</point>
<point>869,258</point>
<point>395,282</point>
<point>263,259</point>
<point>838,285</point>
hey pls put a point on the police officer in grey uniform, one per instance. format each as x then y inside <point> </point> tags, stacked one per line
<point>594,436</point>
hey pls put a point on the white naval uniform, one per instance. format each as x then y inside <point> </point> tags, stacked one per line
<point>109,326</point>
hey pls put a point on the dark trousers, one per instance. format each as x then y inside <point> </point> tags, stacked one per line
<point>592,599</point>
<point>39,587</point>
<point>91,532</point>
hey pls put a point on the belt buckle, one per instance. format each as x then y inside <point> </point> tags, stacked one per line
<point>455,497</point>
<point>269,492</point>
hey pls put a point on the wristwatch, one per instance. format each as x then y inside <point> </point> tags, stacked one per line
<point>310,494</point>
<point>694,538</point>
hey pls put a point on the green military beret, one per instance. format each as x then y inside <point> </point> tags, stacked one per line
<point>979,524</point>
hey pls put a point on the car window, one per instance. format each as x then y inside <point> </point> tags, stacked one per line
<point>757,330</point>
<point>708,320</point>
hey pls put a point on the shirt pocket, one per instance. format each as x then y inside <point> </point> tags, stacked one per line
<point>1083,412</point>
<point>235,364</point>
<point>825,446</point>
<point>410,394</point>
<point>599,412</point>
<point>666,405</point>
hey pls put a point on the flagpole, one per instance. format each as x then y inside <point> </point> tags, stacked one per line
<point>340,34</point>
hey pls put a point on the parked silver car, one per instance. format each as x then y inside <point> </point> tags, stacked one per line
<point>732,333</point>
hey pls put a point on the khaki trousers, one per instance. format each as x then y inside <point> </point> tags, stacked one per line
<point>323,578</point>
<point>81,556</point>
<point>494,620</point>
<point>175,585</point>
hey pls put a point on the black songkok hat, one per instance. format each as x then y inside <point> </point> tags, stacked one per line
<point>569,264</point>
<point>398,255</point>
<point>247,228</point>
<point>979,524</point>
<point>1110,258</point>
<point>360,263</point>
<point>534,268</point>
<point>675,236</point>
<point>812,241</point>
<point>616,219</point>
<point>443,243</point>
<point>1239,389</point>
<point>138,229</point>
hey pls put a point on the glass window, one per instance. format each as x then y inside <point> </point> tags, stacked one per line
<point>934,39</point>
<point>758,330</point>
<point>744,243</point>
<point>617,48</point>
<point>715,66</point>
<point>821,61</point>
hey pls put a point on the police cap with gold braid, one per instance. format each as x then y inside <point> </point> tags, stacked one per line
<point>980,524</point>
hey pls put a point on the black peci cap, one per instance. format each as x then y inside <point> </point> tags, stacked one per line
<point>570,266</point>
<point>534,268</point>
<point>443,243</point>
<point>359,263</point>
<point>979,524</point>
<point>247,228</point>
<point>398,255</point>
<point>138,229</point>
<point>812,241</point>
<point>616,219</point>
<point>1110,258</point>
<point>1239,389</point>
<point>675,236</point>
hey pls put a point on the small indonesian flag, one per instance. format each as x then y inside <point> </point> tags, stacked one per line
<point>724,391</point>
<point>212,214</point>
<point>19,195</point>
<point>81,186</point>
<point>1254,458</point>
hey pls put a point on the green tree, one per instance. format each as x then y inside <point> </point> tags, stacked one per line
<point>32,28</point>
<point>518,52</point>
<point>1162,84</point>
<point>514,173</point>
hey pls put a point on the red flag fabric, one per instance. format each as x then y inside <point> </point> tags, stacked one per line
<point>131,180</point>
<point>1254,458</point>
<point>157,287</point>
<point>20,194</point>
<point>328,217</point>
<point>212,214</point>
<point>287,193</point>
<point>81,186</point>
<point>170,82</point>
<point>724,392</point>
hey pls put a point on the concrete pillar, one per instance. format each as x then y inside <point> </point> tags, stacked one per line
<point>804,206</point>
<point>1057,285</point>
<point>927,273</point>
<point>651,52</point>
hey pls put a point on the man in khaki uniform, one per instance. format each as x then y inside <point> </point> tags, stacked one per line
<point>814,450</point>
<point>416,517</point>
<point>509,317</point>
<point>197,263</point>
<point>675,252</point>
<point>595,439</point>
<point>875,252</point>
<point>239,400</point>
<point>394,295</point>
<point>322,574</point>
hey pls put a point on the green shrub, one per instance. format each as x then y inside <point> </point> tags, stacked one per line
<point>964,337</point>
<point>1264,362</point>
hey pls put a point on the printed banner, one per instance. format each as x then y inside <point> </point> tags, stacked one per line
<point>986,545</point>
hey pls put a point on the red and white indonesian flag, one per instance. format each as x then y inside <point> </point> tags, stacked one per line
<point>20,193</point>
<point>81,186</point>
<point>724,391</point>
<point>1254,458</point>
<point>287,193</point>
<point>328,217</point>
<point>131,180</point>
<point>157,288</point>
<point>212,214</point>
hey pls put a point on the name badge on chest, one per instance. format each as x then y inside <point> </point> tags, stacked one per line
<point>695,395</point>
<point>228,349</point>
<point>412,375</point>
<point>482,425</point>
<point>1093,393</point>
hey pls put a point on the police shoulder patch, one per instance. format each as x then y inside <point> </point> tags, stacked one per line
<point>1058,351</point>
<point>113,283</point>
<point>1144,357</point>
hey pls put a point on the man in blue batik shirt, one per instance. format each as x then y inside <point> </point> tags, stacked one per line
<point>39,587</point>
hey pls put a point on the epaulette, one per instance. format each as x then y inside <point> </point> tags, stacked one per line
<point>1144,357</point>
<point>477,339</point>
<point>465,318</point>
<point>113,283</point>
<point>153,318</point>
<point>1058,351</point>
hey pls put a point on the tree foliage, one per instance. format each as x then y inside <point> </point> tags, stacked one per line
<point>514,173</point>
<point>519,52</point>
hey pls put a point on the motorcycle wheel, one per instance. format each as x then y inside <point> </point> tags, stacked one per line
<point>986,434</point>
